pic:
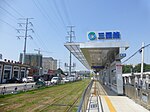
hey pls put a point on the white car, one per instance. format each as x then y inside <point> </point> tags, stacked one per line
<point>55,80</point>
<point>24,79</point>
<point>66,80</point>
<point>28,79</point>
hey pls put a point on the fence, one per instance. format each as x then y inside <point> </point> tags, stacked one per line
<point>16,89</point>
<point>9,89</point>
<point>85,97</point>
<point>139,95</point>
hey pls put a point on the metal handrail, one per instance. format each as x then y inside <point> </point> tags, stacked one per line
<point>84,101</point>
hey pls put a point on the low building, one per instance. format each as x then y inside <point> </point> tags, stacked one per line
<point>10,69</point>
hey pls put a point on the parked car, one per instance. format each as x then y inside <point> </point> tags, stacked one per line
<point>28,79</point>
<point>65,80</point>
<point>14,80</point>
<point>55,80</point>
<point>40,82</point>
<point>71,79</point>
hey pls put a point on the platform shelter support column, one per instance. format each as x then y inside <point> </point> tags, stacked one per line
<point>119,79</point>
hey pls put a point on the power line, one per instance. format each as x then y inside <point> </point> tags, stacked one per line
<point>40,40</point>
<point>13,8</point>
<point>49,20</point>
<point>8,13</point>
<point>7,24</point>
<point>58,12</point>
<point>66,12</point>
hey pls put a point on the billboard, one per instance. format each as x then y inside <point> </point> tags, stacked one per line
<point>103,35</point>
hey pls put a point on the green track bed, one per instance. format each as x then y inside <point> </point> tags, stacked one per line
<point>59,98</point>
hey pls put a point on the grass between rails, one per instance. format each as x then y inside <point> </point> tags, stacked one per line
<point>50,99</point>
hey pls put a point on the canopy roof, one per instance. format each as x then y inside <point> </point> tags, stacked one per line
<point>96,55</point>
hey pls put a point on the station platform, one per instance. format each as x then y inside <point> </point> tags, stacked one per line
<point>102,99</point>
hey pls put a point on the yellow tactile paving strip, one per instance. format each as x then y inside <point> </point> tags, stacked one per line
<point>110,105</point>
<point>103,94</point>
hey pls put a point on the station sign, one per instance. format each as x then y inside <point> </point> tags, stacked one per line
<point>97,67</point>
<point>122,55</point>
<point>101,35</point>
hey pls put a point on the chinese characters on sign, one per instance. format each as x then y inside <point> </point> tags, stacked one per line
<point>103,35</point>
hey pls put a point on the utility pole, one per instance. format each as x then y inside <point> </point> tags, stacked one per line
<point>142,60</point>
<point>26,29</point>
<point>71,35</point>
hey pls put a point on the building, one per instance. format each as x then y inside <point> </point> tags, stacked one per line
<point>49,64</point>
<point>102,54</point>
<point>34,61</point>
<point>49,67</point>
<point>10,69</point>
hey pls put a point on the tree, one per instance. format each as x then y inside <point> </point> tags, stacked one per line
<point>146,68</point>
<point>127,68</point>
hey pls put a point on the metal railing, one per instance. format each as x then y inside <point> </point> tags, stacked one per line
<point>139,95</point>
<point>85,97</point>
<point>16,89</point>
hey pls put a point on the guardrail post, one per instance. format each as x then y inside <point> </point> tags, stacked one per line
<point>3,90</point>
<point>16,88</point>
<point>25,87</point>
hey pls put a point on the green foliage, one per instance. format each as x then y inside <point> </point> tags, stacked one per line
<point>127,68</point>
<point>146,68</point>
<point>137,68</point>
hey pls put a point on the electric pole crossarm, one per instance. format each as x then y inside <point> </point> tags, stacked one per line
<point>26,29</point>
<point>71,35</point>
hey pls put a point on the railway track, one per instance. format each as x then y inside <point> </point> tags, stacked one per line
<point>72,105</point>
<point>69,106</point>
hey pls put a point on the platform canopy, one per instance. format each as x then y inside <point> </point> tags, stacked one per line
<point>96,55</point>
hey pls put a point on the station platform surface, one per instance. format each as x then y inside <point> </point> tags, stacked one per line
<point>105,100</point>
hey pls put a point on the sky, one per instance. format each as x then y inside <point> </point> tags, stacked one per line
<point>51,18</point>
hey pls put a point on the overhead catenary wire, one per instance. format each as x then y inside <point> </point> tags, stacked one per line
<point>136,53</point>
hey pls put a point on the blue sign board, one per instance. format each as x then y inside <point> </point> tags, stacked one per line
<point>122,55</point>
<point>97,67</point>
<point>104,35</point>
